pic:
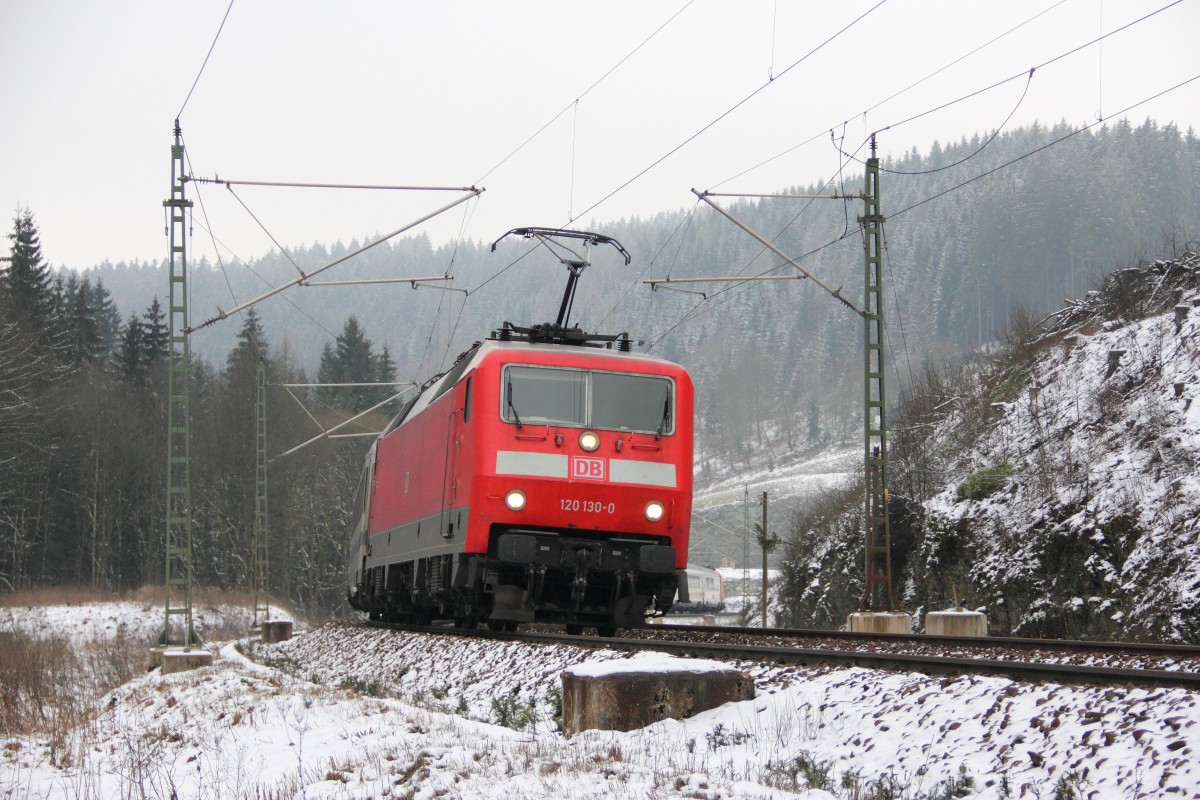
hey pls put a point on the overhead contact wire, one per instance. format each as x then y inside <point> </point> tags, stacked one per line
<point>686,219</point>
<point>690,314</point>
<point>584,93</point>
<point>205,64</point>
<point>964,159</point>
<point>733,108</point>
<point>1029,75</point>
<point>1035,151</point>
<point>1030,71</point>
<point>963,57</point>
<point>814,137</point>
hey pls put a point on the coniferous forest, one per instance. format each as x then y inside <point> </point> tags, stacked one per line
<point>975,229</point>
<point>83,442</point>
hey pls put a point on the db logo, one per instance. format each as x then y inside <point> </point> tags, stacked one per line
<point>588,469</point>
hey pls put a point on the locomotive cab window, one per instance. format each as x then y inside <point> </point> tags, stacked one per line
<point>587,399</point>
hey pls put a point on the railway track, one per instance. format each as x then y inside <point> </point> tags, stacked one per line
<point>1134,655</point>
<point>1021,659</point>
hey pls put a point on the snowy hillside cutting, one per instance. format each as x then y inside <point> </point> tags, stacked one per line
<point>1069,501</point>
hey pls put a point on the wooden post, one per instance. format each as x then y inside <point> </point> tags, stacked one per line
<point>766,550</point>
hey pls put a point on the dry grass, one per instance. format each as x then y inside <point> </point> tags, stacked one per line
<point>33,597</point>
<point>57,596</point>
<point>201,595</point>
<point>51,687</point>
<point>51,684</point>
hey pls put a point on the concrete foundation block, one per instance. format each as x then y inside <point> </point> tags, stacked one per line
<point>180,660</point>
<point>880,622</point>
<point>630,693</point>
<point>956,623</point>
<point>276,630</point>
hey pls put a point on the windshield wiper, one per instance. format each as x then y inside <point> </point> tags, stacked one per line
<point>666,417</point>
<point>511,407</point>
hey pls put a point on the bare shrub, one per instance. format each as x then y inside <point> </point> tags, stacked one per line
<point>32,673</point>
<point>52,685</point>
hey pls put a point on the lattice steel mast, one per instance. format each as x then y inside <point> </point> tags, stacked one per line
<point>262,606</point>
<point>178,538</point>
<point>878,594</point>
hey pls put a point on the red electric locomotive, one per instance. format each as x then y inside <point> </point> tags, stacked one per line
<point>546,477</point>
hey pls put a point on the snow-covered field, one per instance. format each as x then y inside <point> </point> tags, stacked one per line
<point>726,502</point>
<point>135,620</point>
<point>344,711</point>
<point>789,479</point>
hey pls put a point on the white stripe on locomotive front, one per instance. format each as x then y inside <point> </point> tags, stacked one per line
<point>649,473</point>
<point>550,465</point>
<point>535,465</point>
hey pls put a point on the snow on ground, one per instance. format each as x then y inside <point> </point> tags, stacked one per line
<point>788,479</point>
<point>133,619</point>
<point>347,711</point>
<point>726,501</point>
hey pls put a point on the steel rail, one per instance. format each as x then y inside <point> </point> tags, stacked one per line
<point>932,665</point>
<point>1023,643</point>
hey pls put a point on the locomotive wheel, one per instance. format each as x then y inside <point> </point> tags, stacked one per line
<point>495,624</point>
<point>574,629</point>
<point>607,631</point>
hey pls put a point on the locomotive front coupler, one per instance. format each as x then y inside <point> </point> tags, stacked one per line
<point>583,559</point>
<point>536,581</point>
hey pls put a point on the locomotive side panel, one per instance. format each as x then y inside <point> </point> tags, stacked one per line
<point>410,512</point>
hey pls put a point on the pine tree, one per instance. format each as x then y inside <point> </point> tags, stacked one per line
<point>385,372</point>
<point>251,348</point>
<point>156,335</point>
<point>328,372</point>
<point>129,357</point>
<point>351,361</point>
<point>84,342</point>
<point>26,283</point>
<point>26,278</point>
<point>108,319</point>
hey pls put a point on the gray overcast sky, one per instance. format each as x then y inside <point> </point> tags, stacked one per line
<point>441,92</point>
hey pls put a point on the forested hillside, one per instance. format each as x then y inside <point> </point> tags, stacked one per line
<point>83,443</point>
<point>777,365</point>
<point>1041,225</point>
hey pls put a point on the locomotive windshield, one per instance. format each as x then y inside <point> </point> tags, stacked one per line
<point>587,399</point>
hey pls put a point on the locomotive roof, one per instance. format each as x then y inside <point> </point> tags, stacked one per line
<point>566,349</point>
<point>480,350</point>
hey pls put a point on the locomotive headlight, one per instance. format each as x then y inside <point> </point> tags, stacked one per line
<point>589,441</point>
<point>514,500</point>
<point>654,511</point>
